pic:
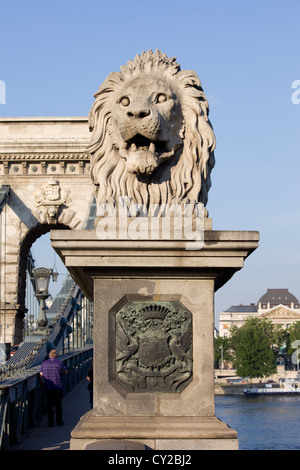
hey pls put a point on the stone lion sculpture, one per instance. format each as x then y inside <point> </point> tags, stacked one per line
<point>151,139</point>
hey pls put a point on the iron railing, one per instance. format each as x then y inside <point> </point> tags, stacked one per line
<point>22,399</point>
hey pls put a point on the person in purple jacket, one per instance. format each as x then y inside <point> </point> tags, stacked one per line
<point>51,372</point>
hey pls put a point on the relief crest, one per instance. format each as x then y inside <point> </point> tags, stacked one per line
<point>153,346</point>
<point>52,197</point>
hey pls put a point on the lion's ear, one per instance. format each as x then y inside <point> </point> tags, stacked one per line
<point>189,78</point>
<point>109,85</point>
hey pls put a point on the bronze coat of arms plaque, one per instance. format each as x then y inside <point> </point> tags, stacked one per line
<point>154,350</point>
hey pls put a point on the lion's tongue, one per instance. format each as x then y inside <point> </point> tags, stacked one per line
<point>141,161</point>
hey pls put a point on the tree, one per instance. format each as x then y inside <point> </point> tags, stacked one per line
<point>252,345</point>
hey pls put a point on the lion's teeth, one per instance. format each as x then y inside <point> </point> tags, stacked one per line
<point>133,147</point>
<point>152,147</point>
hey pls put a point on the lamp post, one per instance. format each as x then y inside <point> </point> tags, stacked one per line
<point>42,278</point>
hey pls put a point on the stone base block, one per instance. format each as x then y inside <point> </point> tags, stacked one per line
<point>155,432</point>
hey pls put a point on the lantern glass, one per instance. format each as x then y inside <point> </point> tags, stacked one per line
<point>42,278</point>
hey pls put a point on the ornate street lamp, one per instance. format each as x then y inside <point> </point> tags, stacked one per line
<point>42,278</point>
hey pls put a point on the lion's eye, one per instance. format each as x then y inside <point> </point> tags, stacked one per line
<point>161,98</point>
<point>124,101</point>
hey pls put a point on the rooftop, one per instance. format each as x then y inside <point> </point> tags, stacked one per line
<point>272,296</point>
<point>278,296</point>
<point>242,308</point>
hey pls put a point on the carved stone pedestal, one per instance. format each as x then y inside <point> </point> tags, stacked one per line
<point>153,337</point>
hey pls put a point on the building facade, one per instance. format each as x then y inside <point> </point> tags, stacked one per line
<point>277,305</point>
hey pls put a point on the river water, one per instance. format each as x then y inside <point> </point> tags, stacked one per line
<point>262,423</point>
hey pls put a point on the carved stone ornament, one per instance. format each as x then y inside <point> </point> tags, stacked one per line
<point>52,197</point>
<point>153,347</point>
<point>152,141</point>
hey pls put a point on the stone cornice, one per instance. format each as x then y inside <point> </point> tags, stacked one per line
<point>44,136</point>
<point>44,119</point>
<point>11,149</point>
<point>44,146</point>
<point>222,254</point>
<point>61,156</point>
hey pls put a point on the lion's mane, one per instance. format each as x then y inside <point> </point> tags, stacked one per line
<point>187,175</point>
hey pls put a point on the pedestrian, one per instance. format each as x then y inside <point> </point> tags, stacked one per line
<point>51,372</point>
<point>90,385</point>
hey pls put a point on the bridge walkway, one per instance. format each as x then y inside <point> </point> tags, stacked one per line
<point>74,406</point>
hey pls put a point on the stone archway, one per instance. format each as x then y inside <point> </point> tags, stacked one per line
<point>20,304</point>
<point>44,163</point>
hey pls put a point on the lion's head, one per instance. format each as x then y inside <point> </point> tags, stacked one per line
<point>152,140</point>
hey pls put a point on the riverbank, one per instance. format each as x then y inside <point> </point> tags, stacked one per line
<point>223,377</point>
<point>238,389</point>
<point>232,389</point>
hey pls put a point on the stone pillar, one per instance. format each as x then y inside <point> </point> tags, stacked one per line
<point>153,336</point>
<point>11,325</point>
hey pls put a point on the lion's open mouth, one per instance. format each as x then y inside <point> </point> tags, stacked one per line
<point>144,155</point>
<point>140,142</point>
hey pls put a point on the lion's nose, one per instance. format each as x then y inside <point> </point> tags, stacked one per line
<point>139,113</point>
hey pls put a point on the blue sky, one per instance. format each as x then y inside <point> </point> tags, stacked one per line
<point>55,54</point>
